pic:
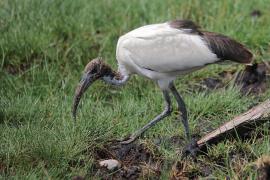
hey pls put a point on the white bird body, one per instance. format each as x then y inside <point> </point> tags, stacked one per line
<point>161,52</point>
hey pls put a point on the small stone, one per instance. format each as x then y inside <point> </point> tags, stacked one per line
<point>110,164</point>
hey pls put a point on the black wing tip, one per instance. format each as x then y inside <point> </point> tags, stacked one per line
<point>227,48</point>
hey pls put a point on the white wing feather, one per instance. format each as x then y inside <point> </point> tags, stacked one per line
<point>164,49</point>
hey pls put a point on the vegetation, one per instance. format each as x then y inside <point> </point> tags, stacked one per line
<point>44,46</point>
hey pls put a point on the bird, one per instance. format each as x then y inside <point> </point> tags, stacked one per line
<point>161,52</point>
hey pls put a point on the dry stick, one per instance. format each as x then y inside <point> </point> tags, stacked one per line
<point>238,126</point>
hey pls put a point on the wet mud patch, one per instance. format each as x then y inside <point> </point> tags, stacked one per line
<point>143,161</point>
<point>252,80</point>
<point>137,160</point>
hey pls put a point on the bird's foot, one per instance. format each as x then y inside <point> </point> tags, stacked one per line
<point>191,148</point>
<point>128,140</point>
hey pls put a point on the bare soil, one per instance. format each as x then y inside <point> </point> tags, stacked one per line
<point>252,80</point>
<point>136,160</point>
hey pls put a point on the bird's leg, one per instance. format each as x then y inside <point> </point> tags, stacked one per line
<point>182,109</point>
<point>192,147</point>
<point>167,111</point>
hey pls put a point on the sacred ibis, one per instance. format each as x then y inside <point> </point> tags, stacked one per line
<point>161,52</point>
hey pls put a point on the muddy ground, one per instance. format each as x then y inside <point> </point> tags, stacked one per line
<point>136,160</point>
<point>252,80</point>
<point>139,160</point>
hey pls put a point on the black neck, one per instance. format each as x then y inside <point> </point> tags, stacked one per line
<point>116,78</point>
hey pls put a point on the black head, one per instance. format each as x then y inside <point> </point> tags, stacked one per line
<point>93,71</point>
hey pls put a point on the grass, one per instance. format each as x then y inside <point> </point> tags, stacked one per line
<point>44,46</point>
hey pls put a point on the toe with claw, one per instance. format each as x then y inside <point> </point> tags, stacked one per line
<point>191,148</point>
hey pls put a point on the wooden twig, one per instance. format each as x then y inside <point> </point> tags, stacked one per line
<point>239,125</point>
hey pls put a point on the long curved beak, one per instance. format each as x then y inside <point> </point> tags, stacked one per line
<point>86,80</point>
